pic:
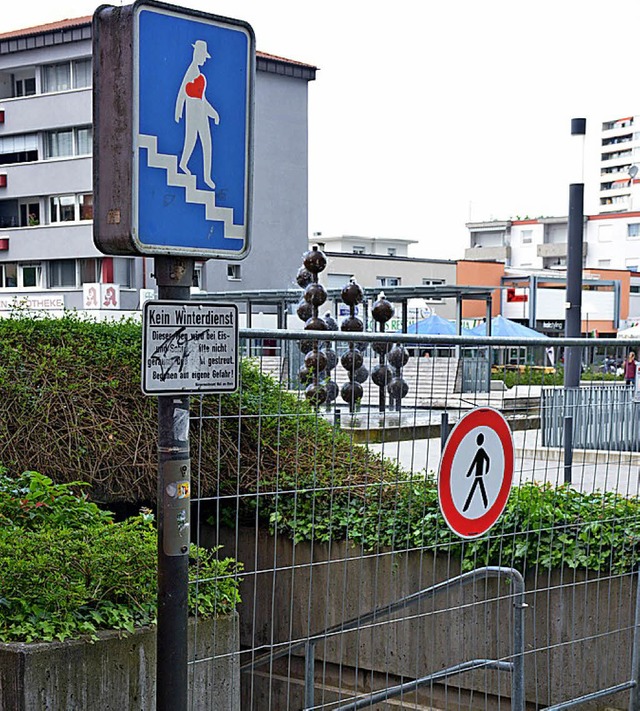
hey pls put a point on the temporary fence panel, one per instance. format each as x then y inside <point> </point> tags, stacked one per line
<point>354,591</point>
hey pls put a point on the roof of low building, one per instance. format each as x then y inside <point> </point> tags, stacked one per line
<point>86,20</point>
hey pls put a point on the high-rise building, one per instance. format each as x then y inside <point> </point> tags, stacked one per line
<point>619,187</point>
<point>47,254</point>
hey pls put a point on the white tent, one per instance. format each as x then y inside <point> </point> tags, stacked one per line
<point>633,332</point>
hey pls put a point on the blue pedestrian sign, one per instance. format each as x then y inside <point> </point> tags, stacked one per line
<point>191,133</point>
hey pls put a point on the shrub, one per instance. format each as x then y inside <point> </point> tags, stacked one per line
<point>541,527</point>
<point>68,570</point>
<point>71,405</point>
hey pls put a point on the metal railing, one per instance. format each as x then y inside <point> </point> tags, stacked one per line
<point>516,667</point>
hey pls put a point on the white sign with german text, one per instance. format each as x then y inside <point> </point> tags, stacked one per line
<point>189,348</point>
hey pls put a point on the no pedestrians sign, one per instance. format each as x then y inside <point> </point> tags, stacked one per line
<point>476,472</point>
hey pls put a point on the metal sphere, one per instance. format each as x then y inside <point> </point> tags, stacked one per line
<point>305,346</point>
<point>398,357</point>
<point>382,347</point>
<point>315,294</point>
<point>352,293</point>
<point>351,360</point>
<point>397,388</point>
<point>352,323</point>
<point>316,361</point>
<point>314,260</point>
<point>305,376</point>
<point>361,375</point>
<point>315,394</point>
<point>315,324</point>
<point>304,277</point>
<point>351,393</point>
<point>381,375</point>
<point>304,310</point>
<point>332,358</point>
<point>362,346</point>
<point>382,310</point>
<point>332,390</point>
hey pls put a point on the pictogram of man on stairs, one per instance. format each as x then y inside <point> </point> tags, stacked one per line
<point>193,103</point>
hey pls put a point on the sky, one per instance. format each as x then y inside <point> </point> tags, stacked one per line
<point>426,114</point>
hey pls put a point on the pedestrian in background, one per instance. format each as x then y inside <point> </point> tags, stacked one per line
<point>630,369</point>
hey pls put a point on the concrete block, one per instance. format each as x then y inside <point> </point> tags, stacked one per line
<point>118,672</point>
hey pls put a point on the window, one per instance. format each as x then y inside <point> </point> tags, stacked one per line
<point>66,75</point>
<point>391,251</point>
<point>357,250</point>
<point>81,69</point>
<point>527,236</point>
<point>18,149</point>
<point>70,208</point>
<point>27,275</point>
<point>433,282</point>
<point>85,205</point>
<point>604,263</point>
<point>89,270</point>
<point>29,214</point>
<point>233,272</point>
<point>197,283</point>
<point>57,77</point>
<point>62,272</point>
<point>31,275</point>
<point>9,275</point>
<point>25,86</point>
<point>388,281</point>
<point>63,208</point>
<point>633,230</point>
<point>68,142</point>
<point>123,271</point>
<point>337,281</point>
<point>59,144</point>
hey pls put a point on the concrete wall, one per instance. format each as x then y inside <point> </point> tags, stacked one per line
<point>578,630</point>
<point>117,673</point>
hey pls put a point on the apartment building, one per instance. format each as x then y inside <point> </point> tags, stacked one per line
<point>619,182</point>
<point>47,255</point>
<point>385,262</point>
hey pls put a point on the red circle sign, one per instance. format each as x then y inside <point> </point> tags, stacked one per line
<point>476,472</point>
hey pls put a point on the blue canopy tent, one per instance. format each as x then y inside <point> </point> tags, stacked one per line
<point>501,326</point>
<point>434,325</point>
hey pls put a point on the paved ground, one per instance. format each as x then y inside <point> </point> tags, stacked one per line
<point>591,470</point>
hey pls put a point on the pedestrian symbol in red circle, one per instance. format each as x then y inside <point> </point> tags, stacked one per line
<point>476,472</point>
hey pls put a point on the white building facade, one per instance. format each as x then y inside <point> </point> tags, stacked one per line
<point>47,256</point>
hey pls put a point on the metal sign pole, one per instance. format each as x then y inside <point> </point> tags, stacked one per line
<point>174,277</point>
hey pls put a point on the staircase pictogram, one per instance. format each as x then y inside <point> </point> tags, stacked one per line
<point>194,195</point>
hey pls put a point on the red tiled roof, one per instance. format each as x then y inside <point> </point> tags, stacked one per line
<point>49,27</point>
<point>86,20</point>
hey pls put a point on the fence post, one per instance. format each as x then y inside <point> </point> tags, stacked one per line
<point>174,277</point>
<point>444,429</point>
<point>568,448</point>
<point>634,701</point>
<point>309,669</point>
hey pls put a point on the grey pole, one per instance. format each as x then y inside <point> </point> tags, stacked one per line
<point>575,228</point>
<point>174,278</point>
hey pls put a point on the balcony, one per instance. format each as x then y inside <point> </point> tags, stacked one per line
<point>29,114</point>
<point>557,249</point>
<point>488,254</point>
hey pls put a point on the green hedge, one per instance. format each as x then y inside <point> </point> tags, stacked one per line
<point>71,405</point>
<point>67,569</point>
<point>542,526</point>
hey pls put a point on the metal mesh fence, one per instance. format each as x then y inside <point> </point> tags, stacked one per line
<point>355,592</point>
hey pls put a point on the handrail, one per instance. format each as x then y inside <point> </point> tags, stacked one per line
<point>384,611</point>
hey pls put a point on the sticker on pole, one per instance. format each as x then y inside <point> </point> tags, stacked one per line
<point>189,348</point>
<point>476,472</point>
